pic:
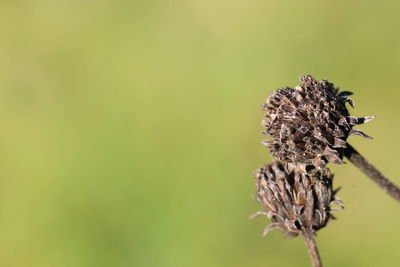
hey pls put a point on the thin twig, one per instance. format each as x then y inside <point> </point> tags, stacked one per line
<point>312,248</point>
<point>368,169</point>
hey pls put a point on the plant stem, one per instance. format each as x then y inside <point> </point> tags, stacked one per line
<point>368,169</point>
<point>312,248</point>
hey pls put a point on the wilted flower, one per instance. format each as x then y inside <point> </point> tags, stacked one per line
<point>295,200</point>
<point>310,124</point>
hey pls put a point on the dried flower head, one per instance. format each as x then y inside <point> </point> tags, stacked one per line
<point>310,124</point>
<point>295,200</point>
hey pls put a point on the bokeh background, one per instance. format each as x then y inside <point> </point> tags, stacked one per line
<point>131,129</point>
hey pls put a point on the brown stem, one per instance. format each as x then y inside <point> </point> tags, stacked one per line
<point>369,170</point>
<point>312,248</point>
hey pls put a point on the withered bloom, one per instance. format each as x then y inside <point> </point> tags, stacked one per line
<point>295,200</point>
<point>310,124</point>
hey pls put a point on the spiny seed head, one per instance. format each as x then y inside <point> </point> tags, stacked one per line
<point>310,124</point>
<point>295,200</point>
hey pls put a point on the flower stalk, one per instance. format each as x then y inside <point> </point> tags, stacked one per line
<point>312,249</point>
<point>373,173</point>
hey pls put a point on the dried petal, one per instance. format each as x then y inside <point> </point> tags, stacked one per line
<point>345,93</point>
<point>339,143</point>
<point>360,133</point>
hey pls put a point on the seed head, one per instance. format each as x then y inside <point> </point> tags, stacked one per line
<point>295,200</point>
<point>310,124</point>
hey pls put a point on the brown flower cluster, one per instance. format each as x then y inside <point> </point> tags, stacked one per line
<point>295,200</point>
<point>308,126</point>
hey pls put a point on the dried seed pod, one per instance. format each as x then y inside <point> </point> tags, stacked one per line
<point>295,200</point>
<point>310,124</point>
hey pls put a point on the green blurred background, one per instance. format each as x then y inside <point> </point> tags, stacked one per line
<point>131,129</point>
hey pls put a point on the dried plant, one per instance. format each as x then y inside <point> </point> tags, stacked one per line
<point>294,200</point>
<point>310,124</point>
